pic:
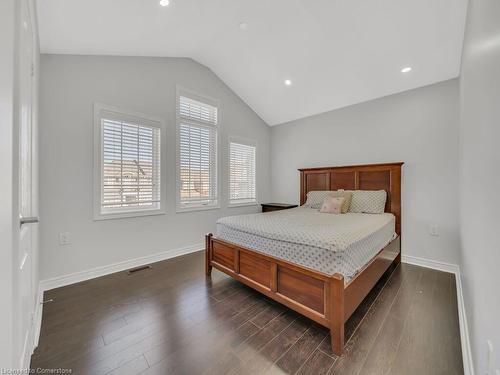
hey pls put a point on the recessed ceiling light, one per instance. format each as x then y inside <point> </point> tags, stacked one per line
<point>164,3</point>
<point>406,70</point>
<point>288,82</point>
<point>244,26</point>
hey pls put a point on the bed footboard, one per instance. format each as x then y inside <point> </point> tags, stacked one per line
<point>320,297</point>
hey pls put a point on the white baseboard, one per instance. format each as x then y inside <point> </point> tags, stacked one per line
<point>464,328</point>
<point>462,316</point>
<point>59,281</point>
<point>429,263</point>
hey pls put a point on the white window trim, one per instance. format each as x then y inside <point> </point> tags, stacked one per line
<point>97,173</point>
<point>182,91</point>
<point>249,142</point>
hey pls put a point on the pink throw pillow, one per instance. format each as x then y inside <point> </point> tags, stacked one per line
<point>332,205</point>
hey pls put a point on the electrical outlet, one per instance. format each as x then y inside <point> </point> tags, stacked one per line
<point>64,238</point>
<point>434,230</point>
<point>491,350</point>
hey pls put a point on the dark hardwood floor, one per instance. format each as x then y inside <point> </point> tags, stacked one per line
<point>172,320</point>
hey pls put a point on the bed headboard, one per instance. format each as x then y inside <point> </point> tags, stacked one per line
<point>357,177</point>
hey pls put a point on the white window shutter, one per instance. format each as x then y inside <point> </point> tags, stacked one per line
<point>197,145</point>
<point>194,110</point>
<point>130,165</point>
<point>242,173</point>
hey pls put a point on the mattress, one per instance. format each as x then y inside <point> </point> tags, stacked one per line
<point>324,242</point>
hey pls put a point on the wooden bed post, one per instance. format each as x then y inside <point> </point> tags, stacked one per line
<point>208,245</point>
<point>337,313</point>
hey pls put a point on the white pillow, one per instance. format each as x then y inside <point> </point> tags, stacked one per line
<point>368,201</point>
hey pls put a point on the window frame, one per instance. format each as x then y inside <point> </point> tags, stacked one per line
<point>152,121</point>
<point>247,142</point>
<point>182,91</point>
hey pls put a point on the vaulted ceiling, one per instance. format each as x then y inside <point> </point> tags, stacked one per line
<point>335,52</point>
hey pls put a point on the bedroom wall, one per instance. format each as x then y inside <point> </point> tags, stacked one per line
<point>419,127</point>
<point>480,178</point>
<point>69,86</point>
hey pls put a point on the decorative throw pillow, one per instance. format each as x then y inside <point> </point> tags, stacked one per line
<point>315,198</point>
<point>347,195</point>
<point>332,205</point>
<point>368,201</point>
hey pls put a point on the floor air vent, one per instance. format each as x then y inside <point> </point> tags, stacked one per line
<point>138,269</point>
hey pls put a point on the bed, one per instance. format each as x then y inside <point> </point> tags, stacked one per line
<point>319,265</point>
<point>304,236</point>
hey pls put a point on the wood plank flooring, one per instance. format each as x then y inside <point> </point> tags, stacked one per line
<point>172,320</point>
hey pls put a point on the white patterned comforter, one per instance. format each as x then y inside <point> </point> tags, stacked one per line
<point>308,226</point>
<point>324,242</point>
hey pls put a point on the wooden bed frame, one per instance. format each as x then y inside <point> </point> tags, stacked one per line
<point>324,298</point>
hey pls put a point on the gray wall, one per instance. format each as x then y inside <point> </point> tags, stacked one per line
<point>69,86</point>
<point>419,127</point>
<point>480,177</point>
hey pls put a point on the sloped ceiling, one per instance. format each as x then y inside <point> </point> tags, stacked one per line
<point>335,52</point>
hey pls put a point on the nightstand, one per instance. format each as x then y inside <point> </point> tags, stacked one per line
<point>268,207</point>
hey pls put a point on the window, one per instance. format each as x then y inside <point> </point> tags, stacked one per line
<point>197,122</point>
<point>127,164</point>
<point>242,189</point>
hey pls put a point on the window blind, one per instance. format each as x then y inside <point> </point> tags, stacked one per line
<point>130,166</point>
<point>241,173</point>
<point>194,110</point>
<point>197,132</point>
